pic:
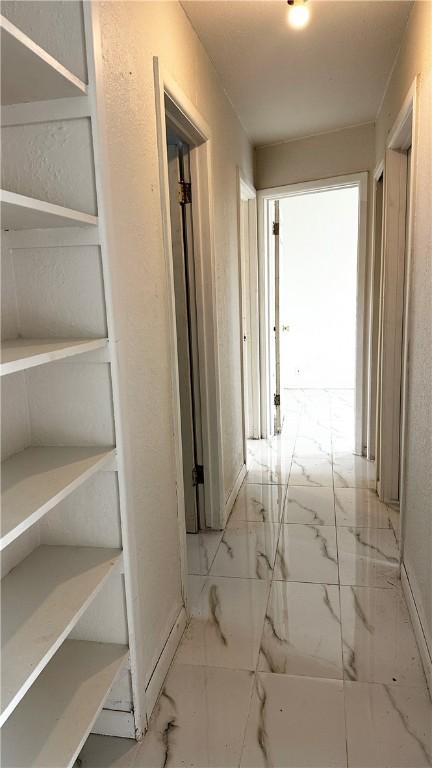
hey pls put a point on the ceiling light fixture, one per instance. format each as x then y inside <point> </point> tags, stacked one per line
<point>298,13</point>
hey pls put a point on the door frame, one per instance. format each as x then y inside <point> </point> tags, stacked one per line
<point>398,229</point>
<point>265,196</point>
<point>374,312</point>
<point>171,100</point>
<point>247,193</point>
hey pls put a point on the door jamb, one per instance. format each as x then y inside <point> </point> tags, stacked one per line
<point>371,421</point>
<point>192,124</point>
<point>276,193</point>
<point>402,135</point>
<point>247,193</point>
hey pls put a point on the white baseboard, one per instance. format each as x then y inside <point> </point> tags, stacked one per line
<point>164,662</point>
<point>113,722</point>
<point>234,492</point>
<point>419,631</point>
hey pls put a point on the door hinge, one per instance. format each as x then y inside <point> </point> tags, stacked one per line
<point>184,192</point>
<point>198,475</point>
<point>275,227</point>
<point>276,400</point>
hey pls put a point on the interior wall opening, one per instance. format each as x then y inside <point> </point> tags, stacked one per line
<point>318,246</point>
<point>181,214</point>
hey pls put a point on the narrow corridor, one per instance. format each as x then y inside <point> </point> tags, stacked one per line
<point>300,651</point>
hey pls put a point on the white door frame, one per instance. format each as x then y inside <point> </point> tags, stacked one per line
<point>171,99</point>
<point>397,258</point>
<point>265,196</point>
<point>248,271</point>
<point>374,311</point>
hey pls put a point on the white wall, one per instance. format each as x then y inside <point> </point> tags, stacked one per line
<point>318,239</point>
<point>415,58</point>
<point>132,34</point>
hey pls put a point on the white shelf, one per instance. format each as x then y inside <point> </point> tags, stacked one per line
<point>51,724</point>
<point>20,354</point>
<point>42,599</point>
<point>36,479</point>
<point>21,212</point>
<point>31,74</point>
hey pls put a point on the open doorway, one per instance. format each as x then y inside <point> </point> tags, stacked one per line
<point>313,238</point>
<point>180,195</point>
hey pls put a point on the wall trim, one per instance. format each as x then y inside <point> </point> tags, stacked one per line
<point>234,492</point>
<point>160,671</point>
<point>418,627</point>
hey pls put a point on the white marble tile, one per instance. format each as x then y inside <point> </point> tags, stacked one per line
<point>388,726</point>
<point>201,549</point>
<point>307,553</point>
<point>368,557</point>
<point>268,471</point>
<point>258,503</point>
<point>199,721</point>
<point>378,640</point>
<point>108,752</point>
<point>309,505</point>
<point>312,472</point>
<point>302,631</point>
<point>351,471</point>
<point>195,585</point>
<point>226,627</point>
<point>247,550</point>
<point>360,507</point>
<point>295,722</point>
<point>315,446</point>
<point>273,451</point>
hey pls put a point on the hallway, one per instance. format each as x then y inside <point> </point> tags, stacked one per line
<point>300,650</point>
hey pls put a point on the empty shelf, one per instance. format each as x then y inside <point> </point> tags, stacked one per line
<point>42,599</point>
<point>31,74</point>
<point>36,479</point>
<point>21,212</point>
<point>51,724</point>
<point>20,354</point>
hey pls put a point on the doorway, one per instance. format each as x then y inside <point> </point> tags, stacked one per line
<point>313,254</point>
<point>180,196</point>
<point>393,311</point>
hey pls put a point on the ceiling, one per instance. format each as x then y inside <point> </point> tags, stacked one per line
<point>287,83</point>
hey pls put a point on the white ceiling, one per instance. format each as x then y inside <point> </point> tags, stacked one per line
<point>286,83</point>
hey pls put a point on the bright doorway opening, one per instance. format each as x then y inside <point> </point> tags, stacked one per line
<point>318,276</point>
<point>313,255</point>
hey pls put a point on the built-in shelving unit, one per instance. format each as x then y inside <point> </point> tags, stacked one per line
<point>38,478</point>
<point>42,600</point>
<point>67,636</point>
<point>21,354</point>
<point>22,212</point>
<point>54,719</point>
<point>29,73</point>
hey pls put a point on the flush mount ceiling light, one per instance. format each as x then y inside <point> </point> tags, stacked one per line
<point>298,13</point>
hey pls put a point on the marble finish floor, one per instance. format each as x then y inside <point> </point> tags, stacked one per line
<point>300,651</point>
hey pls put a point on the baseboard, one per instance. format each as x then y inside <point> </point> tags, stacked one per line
<point>113,722</point>
<point>419,631</point>
<point>160,671</point>
<point>234,492</point>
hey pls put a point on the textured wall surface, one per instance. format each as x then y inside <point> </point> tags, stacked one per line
<point>45,22</point>
<point>316,157</point>
<point>52,162</point>
<point>132,33</point>
<point>415,58</point>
